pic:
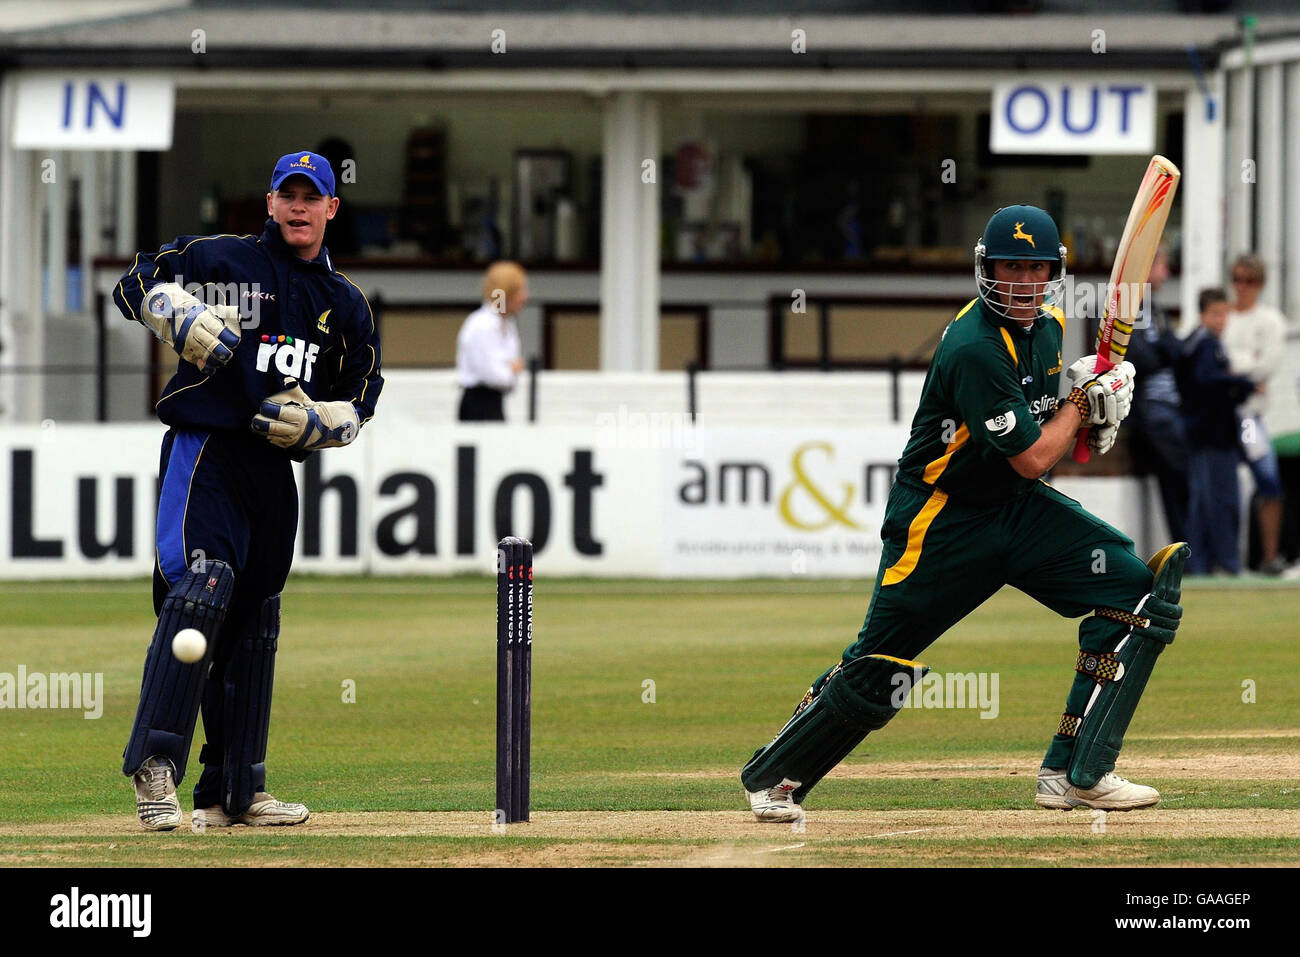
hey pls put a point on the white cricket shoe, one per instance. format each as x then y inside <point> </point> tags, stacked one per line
<point>263,811</point>
<point>155,795</point>
<point>1111,793</point>
<point>775,804</point>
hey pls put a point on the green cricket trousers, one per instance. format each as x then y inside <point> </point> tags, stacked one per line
<point>942,559</point>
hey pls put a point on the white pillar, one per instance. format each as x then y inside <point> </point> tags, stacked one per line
<point>55,195</point>
<point>629,270</point>
<point>1289,279</point>
<point>1270,186</point>
<point>32,334</point>
<point>1202,193</point>
<point>125,197</point>
<point>1240,114</point>
<point>91,225</point>
<point>25,343</point>
<point>22,322</point>
<point>14,242</point>
<point>650,248</point>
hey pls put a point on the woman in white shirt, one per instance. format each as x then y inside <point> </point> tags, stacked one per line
<point>1255,340</point>
<point>488,358</point>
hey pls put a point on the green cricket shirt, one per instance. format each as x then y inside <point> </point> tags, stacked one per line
<point>990,386</point>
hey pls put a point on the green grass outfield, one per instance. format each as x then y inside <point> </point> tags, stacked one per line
<point>405,774</point>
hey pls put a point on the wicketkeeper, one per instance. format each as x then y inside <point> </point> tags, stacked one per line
<point>291,367</point>
<point>969,514</point>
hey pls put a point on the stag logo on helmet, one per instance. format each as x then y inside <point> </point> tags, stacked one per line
<point>1021,234</point>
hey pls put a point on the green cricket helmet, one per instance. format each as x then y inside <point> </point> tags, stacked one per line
<point>1024,233</point>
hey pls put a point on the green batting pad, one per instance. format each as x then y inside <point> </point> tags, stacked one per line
<point>1101,734</point>
<point>859,697</point>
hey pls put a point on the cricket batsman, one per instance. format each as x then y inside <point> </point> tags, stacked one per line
<point>286,365</point>
<point>969,513</point>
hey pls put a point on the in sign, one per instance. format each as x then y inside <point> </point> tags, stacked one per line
<point>80,110</point>
<point>114,110</point>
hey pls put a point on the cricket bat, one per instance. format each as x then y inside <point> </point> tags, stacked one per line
<point>1128,277</point>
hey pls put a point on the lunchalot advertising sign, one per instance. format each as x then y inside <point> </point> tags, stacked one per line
<point>614,500</point>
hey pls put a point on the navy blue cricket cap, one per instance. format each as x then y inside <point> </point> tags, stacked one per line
<point>312,165</point>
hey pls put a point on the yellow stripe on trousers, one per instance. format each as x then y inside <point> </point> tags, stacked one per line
<point>915,538</point>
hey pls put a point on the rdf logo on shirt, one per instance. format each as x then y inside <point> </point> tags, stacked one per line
<point>293,356</point>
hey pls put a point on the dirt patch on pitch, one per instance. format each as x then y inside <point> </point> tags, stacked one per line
<point>707,826</point>
<point>1272,766</point>
<point>918,838</point>
<point>1214,765</point>
<point>1210,736</point>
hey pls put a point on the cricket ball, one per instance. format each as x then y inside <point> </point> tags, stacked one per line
<point>189,645</point>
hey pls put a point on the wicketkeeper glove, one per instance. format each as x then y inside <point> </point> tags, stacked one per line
<point>1109,395</point>
<point>293,420</point>
<point>203,335</point>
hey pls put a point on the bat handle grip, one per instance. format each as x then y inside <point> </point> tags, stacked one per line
<point>1081,451</point>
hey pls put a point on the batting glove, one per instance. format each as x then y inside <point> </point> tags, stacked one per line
<point>293,420</point>
<point>1109,394</point>
<point>203,335</point>
<point>1102,438</point>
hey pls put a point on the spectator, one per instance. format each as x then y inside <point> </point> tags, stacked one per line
<point>488,359</point>
<point>1210,396</point>
<point>1255,343</point>
<point>1157,437</point>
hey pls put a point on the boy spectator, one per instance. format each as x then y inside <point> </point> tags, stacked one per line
<point>1210,396</point>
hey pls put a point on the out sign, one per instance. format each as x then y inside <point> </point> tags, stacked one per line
<point>1081,117</point>
<point>93,111</point>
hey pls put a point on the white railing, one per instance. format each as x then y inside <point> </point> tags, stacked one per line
<point>830,399</point>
